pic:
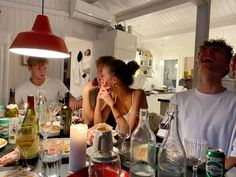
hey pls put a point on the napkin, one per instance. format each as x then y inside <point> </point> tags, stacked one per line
<point>9,158</point>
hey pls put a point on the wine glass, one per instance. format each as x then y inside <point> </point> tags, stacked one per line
<point>195,152</point>
<point>54,108</point>
<point>45,126</point>
<point>104,163</point>
<point>25,136</point>
<point>124,132</point>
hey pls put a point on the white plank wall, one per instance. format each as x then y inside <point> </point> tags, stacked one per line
<point>16,20</point>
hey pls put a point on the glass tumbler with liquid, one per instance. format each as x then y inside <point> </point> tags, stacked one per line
<point>50,153</point>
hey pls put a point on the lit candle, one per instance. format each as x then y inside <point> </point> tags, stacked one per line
<point>25,106</point>
<point>78,145</point>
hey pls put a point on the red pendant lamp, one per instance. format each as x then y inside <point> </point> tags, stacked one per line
<point>40,42</point>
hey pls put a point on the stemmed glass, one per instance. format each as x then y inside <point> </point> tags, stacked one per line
<point>25,136</point>
<point>54,108</point>
<point>45,125</point>
<point>124,134</point>
<point>195,152</point>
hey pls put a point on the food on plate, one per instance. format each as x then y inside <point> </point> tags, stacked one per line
<point>55,128</point>
<point>66,146</point>
<point>2,141</point>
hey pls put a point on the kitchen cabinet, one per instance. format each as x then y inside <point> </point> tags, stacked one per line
<point>121,45</point>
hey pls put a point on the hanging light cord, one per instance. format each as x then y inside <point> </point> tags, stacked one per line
<point>42,7</point>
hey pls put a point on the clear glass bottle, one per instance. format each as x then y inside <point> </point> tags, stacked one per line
<point>40,107</point>
<point>143,148</point>
<point>171,155</point>
<point>30,119</point>
<point>66,117</point>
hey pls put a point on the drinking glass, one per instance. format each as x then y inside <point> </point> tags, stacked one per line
<point>195,152</point>
<point>54,108</point>
<point>45,125</point>
<point>104,164</point>
<point>25,136</point>
<point>50,153</point>
<point>124,134</point>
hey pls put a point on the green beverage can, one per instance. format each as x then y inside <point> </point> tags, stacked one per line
<point>215,163</point>
<point>4,128</point>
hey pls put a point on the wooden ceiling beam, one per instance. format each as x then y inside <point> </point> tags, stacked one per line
<point>153,6</point>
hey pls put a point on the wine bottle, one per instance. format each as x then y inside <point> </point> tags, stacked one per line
<point>12,108</point>
<point>11,112</point>
<point>66,117</point>
<point>30,119</point>
<point>143,148</point>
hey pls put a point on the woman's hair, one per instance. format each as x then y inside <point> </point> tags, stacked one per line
<point>103,60</point>
<point>122,70</point>
<point>32,61</point>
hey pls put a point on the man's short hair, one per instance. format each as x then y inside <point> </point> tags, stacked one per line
<point>32,61</point>
<point>219,43</point>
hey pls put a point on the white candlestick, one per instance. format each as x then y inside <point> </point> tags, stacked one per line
<point>25,107</point>
<point>78,145</point>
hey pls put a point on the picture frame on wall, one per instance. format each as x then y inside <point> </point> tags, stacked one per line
<point>24,60</point>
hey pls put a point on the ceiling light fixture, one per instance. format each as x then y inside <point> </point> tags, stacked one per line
<point>40,42</point>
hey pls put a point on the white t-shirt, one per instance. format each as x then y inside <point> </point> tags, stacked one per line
<point>54,88</point>
<point>208,116</point>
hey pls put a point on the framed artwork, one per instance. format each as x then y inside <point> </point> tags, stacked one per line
<point>24,60</point>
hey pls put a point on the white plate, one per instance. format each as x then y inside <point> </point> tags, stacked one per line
<point>3,142</point>
<point>53,133</point>
<point>90,150</point>
<point>15,173</point>
<point>66,147</point>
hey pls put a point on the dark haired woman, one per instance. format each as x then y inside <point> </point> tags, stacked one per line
<point>123,101</point>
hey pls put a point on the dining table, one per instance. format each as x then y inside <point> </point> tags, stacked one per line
<point>65,162</point>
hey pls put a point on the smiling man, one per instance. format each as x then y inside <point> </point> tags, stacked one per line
<point>54,88</point>
<point>209,111</point>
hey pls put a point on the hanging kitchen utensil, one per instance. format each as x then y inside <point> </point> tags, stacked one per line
<point>79,56</point>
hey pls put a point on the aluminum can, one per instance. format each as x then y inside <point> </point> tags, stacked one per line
<point>4,128</point>
<point>215,163</point>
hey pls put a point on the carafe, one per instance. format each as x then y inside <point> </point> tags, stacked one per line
<point>171,155</point>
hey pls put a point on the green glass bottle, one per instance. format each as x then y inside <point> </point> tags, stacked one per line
<point>12,108</point>
<point>11,113</point>
<point>66,117</point>
<point>30,119</point>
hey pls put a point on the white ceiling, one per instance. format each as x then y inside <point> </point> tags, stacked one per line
<point>163,23</point>
<point>167,26</point>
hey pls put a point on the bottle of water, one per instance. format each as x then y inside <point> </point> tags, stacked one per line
<point>143,148</point>
<point>171,155</point>
<point>40,106</point>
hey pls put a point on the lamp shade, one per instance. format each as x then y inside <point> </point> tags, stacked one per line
<point>40,42</point>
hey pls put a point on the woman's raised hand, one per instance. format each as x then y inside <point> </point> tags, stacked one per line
<point>105,94</point>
